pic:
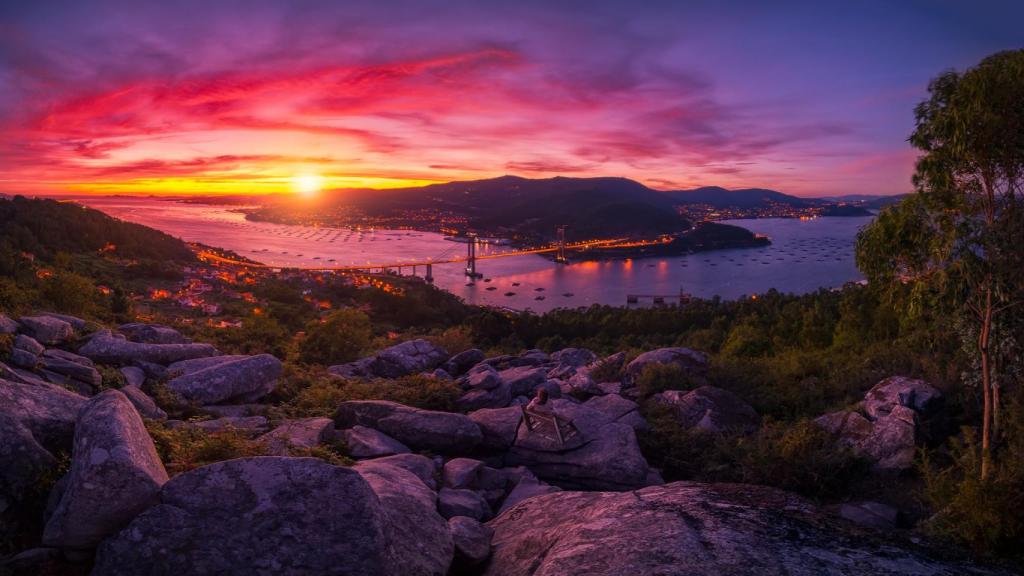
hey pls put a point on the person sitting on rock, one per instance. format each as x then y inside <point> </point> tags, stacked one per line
<point>539,404</point>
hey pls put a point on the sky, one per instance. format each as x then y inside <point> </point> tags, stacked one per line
<point>209,97</point>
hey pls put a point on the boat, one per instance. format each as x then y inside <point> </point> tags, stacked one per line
<point>540,289</point>
<point>515,283</point>
<point>568,294</point>
<point>539,297</point>
<point>510,293</point>
<point>491,288</point>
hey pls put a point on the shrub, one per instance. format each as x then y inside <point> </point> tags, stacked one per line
<point>657,378</point>
<point>69,292</point>
<point>799,457</point>
<point>982,514</point>
<point>454,340</point>
<point>320,395</point>
<point>111,377</point>
<point>340,338</point>
<point>182,449</point>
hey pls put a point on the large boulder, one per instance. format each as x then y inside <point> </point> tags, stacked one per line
<point>363,442</point>
<point>48,411</point>
<point>299,433</point>
<point>411,357</point>
<point>453,502</point>
<point>710,409</point>
<point>523,380</point>
<point>472,540</point>
<point>889,442</point>
<point>75,322</point>
<point>234,382</point>
<point>264,515</point>
<point>422,467</point>
<point>603,456</point>
<point>28,344</point>
<point>916,395</point>
<point>888,430</point>
<point>105,348</point>
<point>619,409</point>
<point>498,425</point>
<point>23,462</point>
<point>694,530</point>
<point>441,432</point>
<point>480,398</point>
<point>694,364</point>
<point>115,474</point>
<point>573,357</point>
<point>143,403</point>
<point>152,334</point>
<point>46,329</point>
<point>192,365</point>
<point>84,373</point>
<point>458,365</point>
<point>420,539</point>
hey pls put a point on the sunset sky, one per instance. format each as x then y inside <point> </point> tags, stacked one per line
<point>810,98</point>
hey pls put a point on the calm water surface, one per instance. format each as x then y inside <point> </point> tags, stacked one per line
<point>804,256</point>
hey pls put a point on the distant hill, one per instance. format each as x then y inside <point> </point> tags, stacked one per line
<point>588,206</point>
<point>45,227</point>
<point>746,198</point>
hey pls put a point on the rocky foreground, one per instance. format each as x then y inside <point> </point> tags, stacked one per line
<point>431,493</point>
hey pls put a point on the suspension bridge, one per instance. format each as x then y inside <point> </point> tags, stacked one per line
<point>560,248</point>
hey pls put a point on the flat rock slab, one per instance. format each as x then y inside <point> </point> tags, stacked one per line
<point>237,381</point>
<point>694,530</point>
<point>47,329</point>
<point>115,474</point>
<point>266,515</point>
<point>152,334</point>
<point>107,349</point>
<point>442,432</point>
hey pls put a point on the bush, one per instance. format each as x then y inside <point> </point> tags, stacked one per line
<point>182,449</point>
<point>111,377</point>
<point>982,514</point>
<point>69,292</point>
<point>320,395</point>
<point>454,340</point>
<point>657,378</point>
<point>341,337</point>
<point>799,457</point>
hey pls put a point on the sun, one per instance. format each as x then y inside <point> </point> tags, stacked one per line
<point>308,185</point>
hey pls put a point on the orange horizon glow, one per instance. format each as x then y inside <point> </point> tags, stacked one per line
<point>243,98</point>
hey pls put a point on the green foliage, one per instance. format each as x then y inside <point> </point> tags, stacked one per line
<point>315,393</point>
<point>454,340</point>
<point>982,514</point>
<point>69,292</point>
<point>111,377</point>
<point>745,340</point>
<point>6,345</point>
<point>340,338</point>
<point>184,448</point>
<point>657,378</point>
<point>46,227</point>
<point>258,335</point>
<point>798,457</point>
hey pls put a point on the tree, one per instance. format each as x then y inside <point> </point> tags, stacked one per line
<point>341,337</point>
<point>957,240</point>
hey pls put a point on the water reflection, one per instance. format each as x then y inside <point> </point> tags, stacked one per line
<point>804,256</point>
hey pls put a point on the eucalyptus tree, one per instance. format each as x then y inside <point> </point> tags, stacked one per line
<point>957,242</point>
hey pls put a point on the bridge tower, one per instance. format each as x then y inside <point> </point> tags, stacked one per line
<point>471,272</point>
<point>430,273</point>
<point>560,255</point>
